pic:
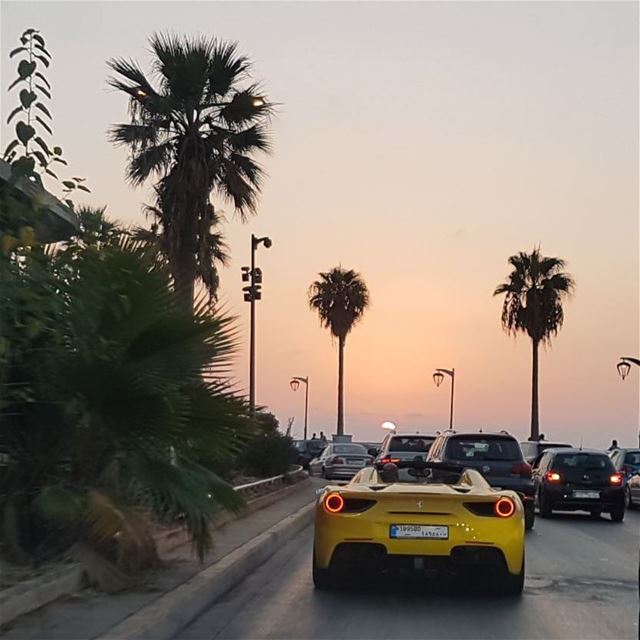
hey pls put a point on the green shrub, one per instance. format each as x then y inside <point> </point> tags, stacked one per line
<point>270,453</point>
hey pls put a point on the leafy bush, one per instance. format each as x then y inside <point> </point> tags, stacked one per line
<point>270,453</point>
<point>113,401</point>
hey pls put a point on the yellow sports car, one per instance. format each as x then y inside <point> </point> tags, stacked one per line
<point>420,516</point>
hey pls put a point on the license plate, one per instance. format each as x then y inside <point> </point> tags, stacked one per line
<point>418,531</point>
<point>355,463</point>
<point>586,495</point>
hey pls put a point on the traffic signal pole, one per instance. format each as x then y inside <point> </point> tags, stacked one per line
<point>252,293</point>
<point>252,338</point>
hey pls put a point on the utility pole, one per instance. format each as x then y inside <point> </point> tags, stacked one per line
<point>252,293</point>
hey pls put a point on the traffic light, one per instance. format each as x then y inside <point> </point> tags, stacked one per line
<point>246,274</point>
<point>252,293</point>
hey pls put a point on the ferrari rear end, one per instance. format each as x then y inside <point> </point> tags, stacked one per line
<point>371,528</point>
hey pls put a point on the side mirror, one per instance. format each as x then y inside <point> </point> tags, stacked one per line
<point>373,451</point>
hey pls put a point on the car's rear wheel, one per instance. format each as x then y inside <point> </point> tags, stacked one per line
<point>529,515</point>
<point>543,505</point>
<point>512,585</point>
<point>617,515</point>
<point>323,579</point>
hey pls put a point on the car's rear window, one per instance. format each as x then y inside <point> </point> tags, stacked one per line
<point>420,444</point>
<point>353,449</point>
<point>632,457</point>
<point>474,448</point>
<point>582,462</point>
<point>549,445</point>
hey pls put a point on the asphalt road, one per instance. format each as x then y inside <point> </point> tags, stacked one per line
<point>582,582</point>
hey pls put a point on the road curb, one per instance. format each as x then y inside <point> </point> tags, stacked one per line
<point>166,616</point>
<point>38,592</point>
<point>179,536</point>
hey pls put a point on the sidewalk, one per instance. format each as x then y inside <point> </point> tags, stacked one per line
<point>89,614</point>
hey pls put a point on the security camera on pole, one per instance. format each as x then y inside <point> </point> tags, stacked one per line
<point>253,292</point>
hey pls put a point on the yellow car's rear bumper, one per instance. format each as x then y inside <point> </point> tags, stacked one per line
<point>465,530</point>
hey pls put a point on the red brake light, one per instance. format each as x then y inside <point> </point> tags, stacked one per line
<point>553,476</point>
<point>505,507</point>
<point>334,503</point>
<point>522,469</point>
<point>337,460</point>
<point>616,479</point>
<point>387,459</point>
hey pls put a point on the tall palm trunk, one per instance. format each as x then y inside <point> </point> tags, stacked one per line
<point>535,418</point>
<point>340,429</point>
<point>184,275</point>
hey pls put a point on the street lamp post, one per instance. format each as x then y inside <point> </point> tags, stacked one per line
<point>294,384</point>
<point>253,292</point>
<point>438,377</point>
<point>624,367</point>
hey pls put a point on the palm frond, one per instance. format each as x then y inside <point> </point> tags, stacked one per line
<point>534,294</point>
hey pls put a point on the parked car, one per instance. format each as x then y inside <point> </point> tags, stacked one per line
<point>627,462</point>
<point>397,447</point>
<point>308,450</point>
<point>531,449</point>
<point>497,456</point>
<point>340,461</point>
<point>633,492</point>
<point>578,480</point>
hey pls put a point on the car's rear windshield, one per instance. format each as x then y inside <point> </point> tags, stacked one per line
<point>632,457</point>
<point>549,445</point>
<point>353,449</point>
<point>419,444</point>
<point>582,461</point>
<point>475,448</point>
<point>406,476</point>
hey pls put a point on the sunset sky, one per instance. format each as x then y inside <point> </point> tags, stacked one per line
<point>420,144</point>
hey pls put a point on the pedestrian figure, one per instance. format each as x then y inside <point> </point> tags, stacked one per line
<point>323,437</point>
<point>614,446</point>
<point>313,437</point>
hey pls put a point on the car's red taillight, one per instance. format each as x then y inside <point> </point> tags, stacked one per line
<point>553,476</point>
<point>616,479</point>
<point>522,469</point>
<point>334,503</point>
<point>337,460</point>
<point>505,507</point>
<point>387,459</point>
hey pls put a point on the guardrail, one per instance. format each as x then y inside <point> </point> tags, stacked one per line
<point>261,487</point>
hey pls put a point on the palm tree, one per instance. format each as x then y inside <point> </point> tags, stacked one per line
<point>213,251</point>
<point>534,293</point>
<point>340,297</point>
<point>115,402</point>
<point>196,126</point>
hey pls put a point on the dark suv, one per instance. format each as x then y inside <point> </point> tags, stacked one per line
<point>579,480</point>
<point>496,455</point>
